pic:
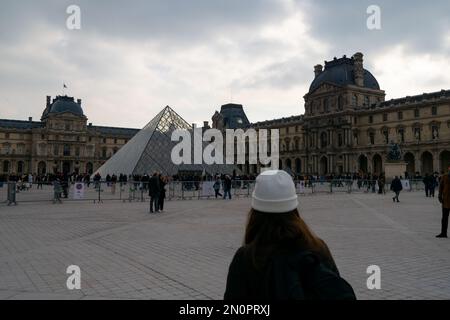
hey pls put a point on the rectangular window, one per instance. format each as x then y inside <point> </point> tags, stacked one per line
<point>400,115</point>
<point>401,133</point>
<point>56,150</point>
<point>66,150</point>
<point>370,119</point>
<point>416,113</point>
<point>434,111</point>
<point>385,116</point>
<point>372,138</point>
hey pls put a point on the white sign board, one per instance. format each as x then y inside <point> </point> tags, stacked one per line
<point>406,185</point>
<point>78,191</point>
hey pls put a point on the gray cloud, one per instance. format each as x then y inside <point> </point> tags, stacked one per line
<point>133,57</point>
<point>418,24</point>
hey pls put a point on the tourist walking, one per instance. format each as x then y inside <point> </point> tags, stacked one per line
<point>428,182</point>
<point>396,187</point>
<point>444,199</point>
<point>216,187</point>
<point>227,187</point>
<point>281,258</point>
<point>162,193</point>
<point>153,192</point>
<point>433,185</point>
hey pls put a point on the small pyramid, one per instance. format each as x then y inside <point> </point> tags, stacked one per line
<point>150,150</point>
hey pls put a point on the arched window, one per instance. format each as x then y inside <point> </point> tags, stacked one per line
<point>372,137</point>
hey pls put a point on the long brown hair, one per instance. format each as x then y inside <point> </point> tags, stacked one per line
<point>267,233</point>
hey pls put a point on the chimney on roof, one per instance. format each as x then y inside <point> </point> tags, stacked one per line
<point>79,101</point>
<point>318,69</point>
<point>205,124</point>
<point>358,69</point>
<point>48,100</point>
<point>30,119</point>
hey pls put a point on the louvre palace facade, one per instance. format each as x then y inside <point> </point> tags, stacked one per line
<point>348,125</point>
<point>62,142</point>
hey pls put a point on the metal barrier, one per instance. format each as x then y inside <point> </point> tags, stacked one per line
<point>133,191</point>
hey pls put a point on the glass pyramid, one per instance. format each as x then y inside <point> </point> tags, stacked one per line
<point>150,149</point>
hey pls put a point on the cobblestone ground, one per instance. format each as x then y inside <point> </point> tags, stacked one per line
<point>184,253</point>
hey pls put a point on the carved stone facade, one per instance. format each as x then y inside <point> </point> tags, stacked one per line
<point>348,126</point>
<point>62,142</point>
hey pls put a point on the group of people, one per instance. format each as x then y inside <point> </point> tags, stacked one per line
<point>430,181</point>
<point>226,184</point>
<point>157,192</point>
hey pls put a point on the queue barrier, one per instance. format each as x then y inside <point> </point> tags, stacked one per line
<point>137,191</point>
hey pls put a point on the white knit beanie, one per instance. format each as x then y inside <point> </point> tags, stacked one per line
<point>274,192</point>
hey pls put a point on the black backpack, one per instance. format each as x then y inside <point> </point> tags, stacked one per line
<point>304,277</point>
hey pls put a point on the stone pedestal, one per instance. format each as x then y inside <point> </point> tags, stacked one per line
<point>392,169</point>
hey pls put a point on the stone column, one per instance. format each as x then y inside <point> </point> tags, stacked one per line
<point>344,163</point>
<point>417,162</point>
<point>436,162</point>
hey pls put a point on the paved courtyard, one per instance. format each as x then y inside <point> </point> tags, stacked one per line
<point>184,253</point>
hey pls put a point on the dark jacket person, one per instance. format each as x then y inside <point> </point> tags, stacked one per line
<point>396,186</point>
<point>281,258</point>
<point>154,189</point>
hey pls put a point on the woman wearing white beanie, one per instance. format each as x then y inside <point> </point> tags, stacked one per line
<point>281,258</point>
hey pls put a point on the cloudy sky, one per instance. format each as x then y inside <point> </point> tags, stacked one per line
<point>131,58</point>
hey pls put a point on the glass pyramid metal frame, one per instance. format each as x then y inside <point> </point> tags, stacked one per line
<point>150,149</point>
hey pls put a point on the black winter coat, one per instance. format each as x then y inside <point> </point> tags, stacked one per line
<point>245,282</point>
<point>396,185</point>
<point>154,187</point>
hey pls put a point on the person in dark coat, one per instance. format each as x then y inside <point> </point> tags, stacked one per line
<point>396,187</point>
<point>444,199</point>
<point>154,190</point>
<point>428,182</point>
<point>162,193</point>
<point>227,187</point>
<point>276,238</point>
<point>381,184</point>
<point>433,184</point>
